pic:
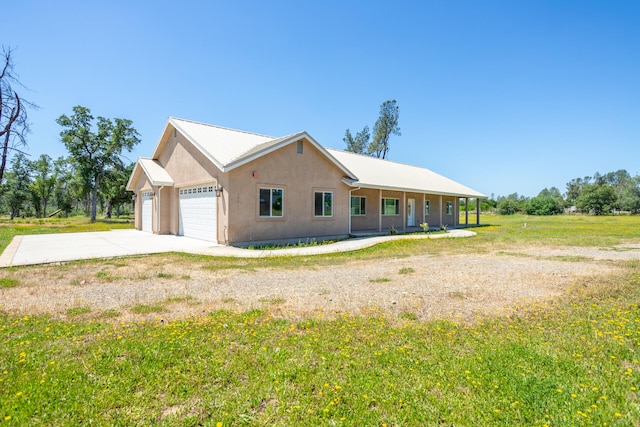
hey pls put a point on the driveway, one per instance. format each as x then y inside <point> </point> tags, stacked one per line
<point>49,248</point>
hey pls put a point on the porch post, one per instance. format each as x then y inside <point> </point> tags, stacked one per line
<point>380,212</point>
<point>477,210</point>
<point>466,211</point>
<point>441,207</point>
<point>404,211</point>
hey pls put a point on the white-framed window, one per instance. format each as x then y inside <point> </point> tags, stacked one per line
<point>390,206</point>
<point>299,147</point>
<point>427,207</point>
<point>358,205</point>
<point>323,203</point>
<point>449,208</point>
<point>271,202</point>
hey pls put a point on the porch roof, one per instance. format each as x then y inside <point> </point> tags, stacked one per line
<point>387,175</point>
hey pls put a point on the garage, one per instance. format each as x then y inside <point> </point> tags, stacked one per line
<point>147,209</point>
<point>198,212</point>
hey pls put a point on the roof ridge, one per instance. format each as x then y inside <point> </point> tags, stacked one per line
<point>222,127</point>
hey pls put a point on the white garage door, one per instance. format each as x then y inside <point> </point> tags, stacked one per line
<point>147,209</point>
<point>198,213</point>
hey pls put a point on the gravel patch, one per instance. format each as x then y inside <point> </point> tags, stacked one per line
<point>428,287</point>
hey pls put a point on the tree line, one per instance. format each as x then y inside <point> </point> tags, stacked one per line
<point>599,194</point>
<point>93,174</point>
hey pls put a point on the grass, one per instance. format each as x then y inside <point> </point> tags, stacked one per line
<point>571,361</point>
<point>7,282</point>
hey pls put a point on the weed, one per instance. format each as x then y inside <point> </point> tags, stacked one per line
<point>77,311</point>
<point>406,270</point>
<point>380,280</point>
<point>162,275</point>
<point>146,309</point>
<point>7,282</point>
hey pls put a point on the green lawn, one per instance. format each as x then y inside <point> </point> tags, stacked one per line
<point>573,361</point>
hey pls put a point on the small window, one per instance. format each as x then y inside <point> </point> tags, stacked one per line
<point>449,208</point>
<point>427,208</point>
<point>323,203</point>
<point>390,206</point>
<point>271,202</point>
<point>299,147</point>
<point>358,205</point>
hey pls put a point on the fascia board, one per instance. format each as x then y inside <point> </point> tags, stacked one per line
<point>415,190</point>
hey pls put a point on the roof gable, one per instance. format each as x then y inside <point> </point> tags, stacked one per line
<point>157,175</point>
<point>229,148</point>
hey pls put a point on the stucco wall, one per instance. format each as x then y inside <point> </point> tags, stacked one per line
<point>300,176</point>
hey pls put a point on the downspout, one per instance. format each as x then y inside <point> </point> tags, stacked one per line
<point>350,191</point>
<point>159,206</point>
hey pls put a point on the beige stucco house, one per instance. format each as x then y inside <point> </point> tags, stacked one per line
<point>234,187</point>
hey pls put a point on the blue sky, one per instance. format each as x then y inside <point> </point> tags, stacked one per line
<point>502,96</point>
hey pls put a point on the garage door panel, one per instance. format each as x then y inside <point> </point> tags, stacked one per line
<point>198,213</point>
<point>147,211</point>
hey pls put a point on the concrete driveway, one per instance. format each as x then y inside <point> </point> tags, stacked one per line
<point>49,248</point>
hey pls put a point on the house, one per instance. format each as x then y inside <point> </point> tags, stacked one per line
<point>234,187</point>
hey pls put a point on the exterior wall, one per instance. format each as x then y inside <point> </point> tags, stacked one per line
<point>299,175</point>
<point>141,185</point>
<point>369,221</point>
<point>188,167</point>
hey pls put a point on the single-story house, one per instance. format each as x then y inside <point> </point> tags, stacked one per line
<point>235,187</point>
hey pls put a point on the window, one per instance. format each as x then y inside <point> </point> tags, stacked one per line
<point>449,208</point>
<point>323,203</point>
<point>271,202</point>
<point>390,206</point>
<point>427,208</point>
<point>299,147</point>
<point>358,205</point>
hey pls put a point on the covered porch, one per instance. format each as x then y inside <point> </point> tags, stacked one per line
<point>381,211</point>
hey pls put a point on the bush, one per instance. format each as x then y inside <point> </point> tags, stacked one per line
<point>542,205</point>
<point>508,207</point>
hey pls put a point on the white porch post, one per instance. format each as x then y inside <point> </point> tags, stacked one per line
<point>404,211</point>
<point>441,207</point>
<point>380,212</point>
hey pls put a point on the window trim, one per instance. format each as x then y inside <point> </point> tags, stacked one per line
<point>362,206</point>
<point>324,194</point>
<point>397,206</point>
<point>299,147</point>
<point>449,207</point>
<point>271,215</point>
<point>427,207</point>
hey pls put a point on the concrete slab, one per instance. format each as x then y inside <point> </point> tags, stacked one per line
<point>50,248</point>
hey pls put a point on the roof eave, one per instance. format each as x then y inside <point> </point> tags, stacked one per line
<point>413,190</point>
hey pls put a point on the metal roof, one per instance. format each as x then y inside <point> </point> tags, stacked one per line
<point>229,148</point>
<point>384,174</point>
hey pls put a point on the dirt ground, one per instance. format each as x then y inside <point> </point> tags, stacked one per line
<point>424,287</point>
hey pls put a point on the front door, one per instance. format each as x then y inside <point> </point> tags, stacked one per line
<point>411,213</point>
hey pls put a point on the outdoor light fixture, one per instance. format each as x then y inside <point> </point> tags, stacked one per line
<point>218,190</point>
